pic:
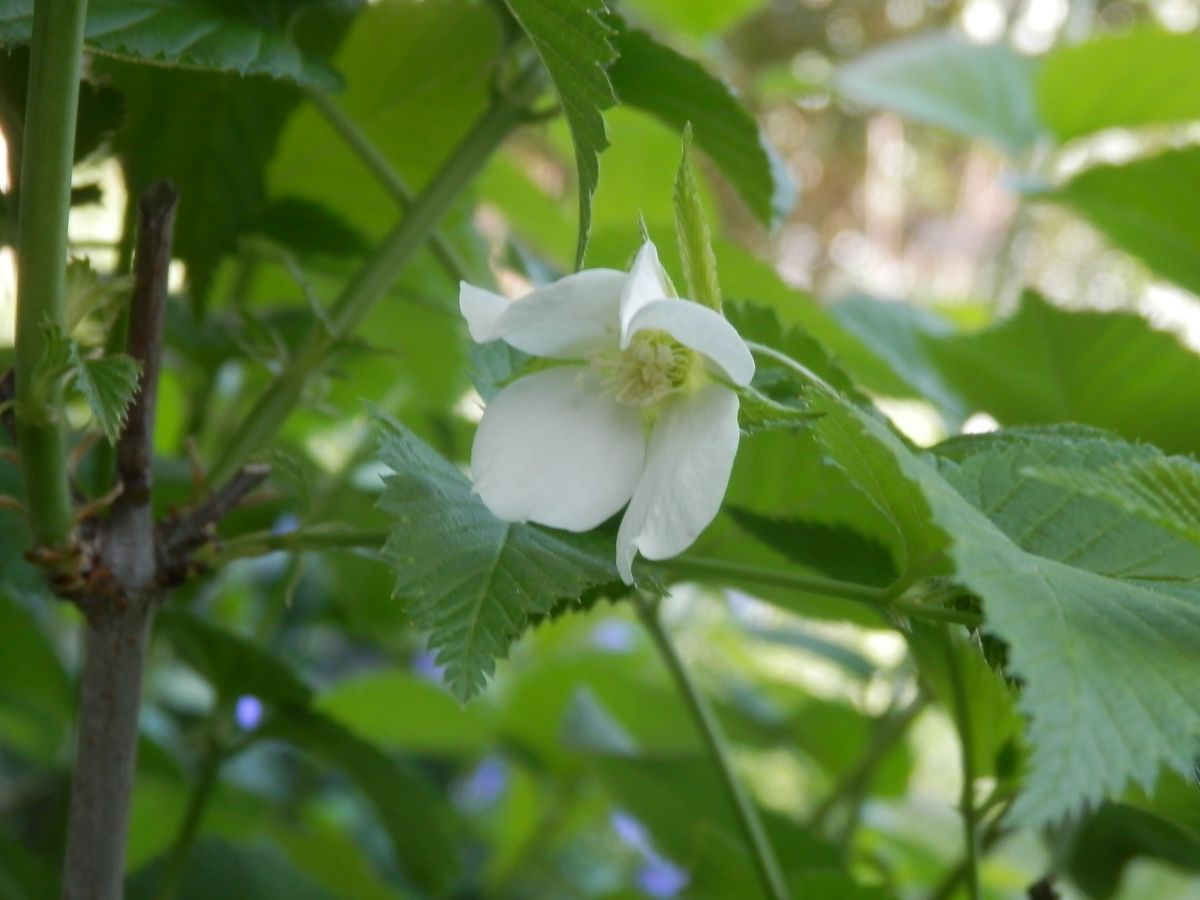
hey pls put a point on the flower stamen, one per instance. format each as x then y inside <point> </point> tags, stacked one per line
<point>650,369</point>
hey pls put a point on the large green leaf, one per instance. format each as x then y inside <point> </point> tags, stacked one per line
<point>198,34</point>
<point>212,135</point>
<point>1004,476</point>
<point>1106,664</point>
<point>232,664</point>
<point>1110,370</point>
<point>1143,76</point>
<point>971,89</point>
<point>36,698</point>
<point>1144,207</point>
<point>408,807</point>
<point>575,45</point>
<point>1161,489</point>
<point>216,870</point>
<point>471,580</point>
<point>653,77</point>
<point>1043,365</point>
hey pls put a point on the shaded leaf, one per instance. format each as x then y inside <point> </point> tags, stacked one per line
<point>574,43</point>
<point>201,34</point>
<point>232,664</point>
<point>653,77</point>
<point>834,550</point>
<point>407,805</point>
<point>1110,370</point>
<point>1143,208</point>
<point>471,580</point>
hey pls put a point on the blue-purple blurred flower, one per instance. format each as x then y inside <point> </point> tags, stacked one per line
<point>614,636</point>
<point>248,712</point>
<point>483,787</point>
<point>660,877</point>
<point>425,665</point>
<point>657,876</point>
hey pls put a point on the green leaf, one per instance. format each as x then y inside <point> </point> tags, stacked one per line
<point>421,717</point>
<point>1161,489</point>
<point>37,701</point>
<point>975,90</point>
<point>655,78</point>
<point>231,664</point>
<point>758,412</point>
<point>216,869</point>
<point>210,134</point>
<point>1117,835</point>
<point>838,551</point>
<point>1001,475</point>
<point>1111,370</point>
<point>199,34</point>
<point>109,384</point>
<point>1106,664</point>
<point>471,580</point>
<point>1144,76</point>
<point>575,45</point>
<point>691,231</point>
<point>1143,208</point>
<point>407,805</point>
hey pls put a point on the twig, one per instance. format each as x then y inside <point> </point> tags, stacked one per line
<point>968,811</point>
<point>194,528</point>
<point>147,318</point>
<point>8,388</point>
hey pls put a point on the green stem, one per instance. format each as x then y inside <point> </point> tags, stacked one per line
<point>263,542</point>
<point>378,273</point>
<point>811,584</point>
<point>755,835</point>
<point>798,367</point>
<point>391,180</point>
<point>889,732</point>
<point>202,790</point>
<point>48,152</point>
<point>968,811</point>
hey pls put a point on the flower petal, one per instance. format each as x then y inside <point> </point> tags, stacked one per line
<point>563,320</point>
<point>554,449</point>
<point>701,329</point>
<point>687,469</point>
<point>647,282</point>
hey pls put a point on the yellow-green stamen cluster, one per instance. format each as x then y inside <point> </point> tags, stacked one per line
<point>650,369</point>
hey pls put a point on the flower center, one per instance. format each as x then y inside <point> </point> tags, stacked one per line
<point>651,368</point>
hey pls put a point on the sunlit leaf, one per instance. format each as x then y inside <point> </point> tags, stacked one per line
<point>979,91</point>
<point>1143,76</point>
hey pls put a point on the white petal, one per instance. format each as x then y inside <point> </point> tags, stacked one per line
<point>687,469</point>
<point>701,329</point>
<point>554,449</point>
<point>647,282</point>
<point>563,320</point>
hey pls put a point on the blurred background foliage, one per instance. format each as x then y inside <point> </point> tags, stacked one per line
<point>1023,172</point>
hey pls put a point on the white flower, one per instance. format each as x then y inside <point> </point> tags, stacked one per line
<point>634,415</point>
